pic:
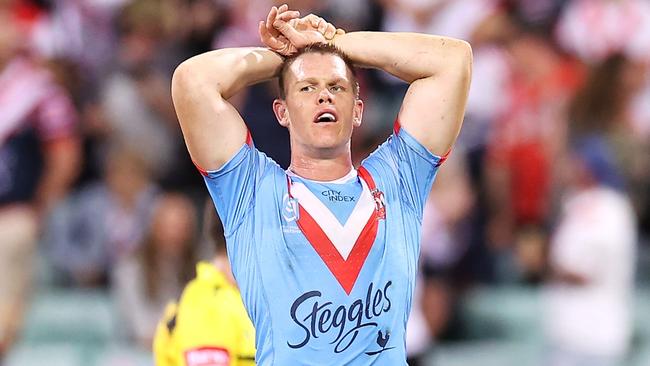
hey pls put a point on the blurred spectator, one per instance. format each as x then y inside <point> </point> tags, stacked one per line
<point>443,245</point>
<point>349,15</point>
<point>39,158</point>
<point>143,284</point>
<point>527,138</point>
<point>202,23</point>
<point>456,18</point>
<point>605,105</point>
<point>102,223</point>
<point>594,30</point>
<point>79,31</point>
<point>491,72</point>
<point>136,97</point>
<point>540,15</point>
<point>588,315</point>
<point>641,128</point>
<point>244,16</point>
<point>641,109</point>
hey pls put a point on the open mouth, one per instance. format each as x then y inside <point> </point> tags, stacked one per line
<point>325,117</point>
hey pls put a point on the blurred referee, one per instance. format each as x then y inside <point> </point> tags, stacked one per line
<point>209,325</point>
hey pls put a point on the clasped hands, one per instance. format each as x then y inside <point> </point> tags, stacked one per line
<point>285,32</point>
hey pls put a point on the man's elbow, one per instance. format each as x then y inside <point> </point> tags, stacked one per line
<point>465,49</point>
<point>460,65</point>
<point>463,56</point>
<point>184,77</point>
<point>195,77</point>
<point>456,61</point>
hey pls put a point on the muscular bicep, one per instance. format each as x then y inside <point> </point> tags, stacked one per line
<point>433,108</point>
<point>212,128</point>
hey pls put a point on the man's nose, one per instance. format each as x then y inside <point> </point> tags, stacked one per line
<point>324,97</point>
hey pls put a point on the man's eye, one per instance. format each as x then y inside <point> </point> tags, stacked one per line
<point>307,88</point>
<point>336,88</point>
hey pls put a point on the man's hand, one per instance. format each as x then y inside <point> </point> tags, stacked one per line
<point>284,33</point>
<point>271,37</point>
<point>314,22</point>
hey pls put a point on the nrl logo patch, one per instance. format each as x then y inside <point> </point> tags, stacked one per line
<point>290,209</point>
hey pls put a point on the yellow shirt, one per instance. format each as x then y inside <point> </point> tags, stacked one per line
<point>208,327</point>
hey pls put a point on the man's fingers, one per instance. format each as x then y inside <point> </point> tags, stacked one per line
<point>315,20</point>
<point>270,18</point>
<point>339,31</point>
<point>268,39</point>
<point>302,23</point>
<point>287,30</point>
<point>288,15</point>
<point>269,22</point>
<point>270,36</point>
<point>265,36</point>
<point>330,31</point>
<point>322,26</point>
<point>284,14</point>
<point>311,20</point>
<point>261,30</point>
<point>283,25</point>
<point>317,23</point>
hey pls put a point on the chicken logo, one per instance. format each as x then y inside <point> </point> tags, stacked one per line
<point>382,341</point>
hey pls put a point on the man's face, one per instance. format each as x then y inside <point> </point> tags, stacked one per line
<point>320,108</point>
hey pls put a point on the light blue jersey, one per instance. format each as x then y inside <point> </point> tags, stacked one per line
<point>327,269</point>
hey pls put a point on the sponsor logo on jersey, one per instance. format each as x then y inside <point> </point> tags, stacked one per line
<point>207,356</point>
<point>341,325</point>
<point>336,196</point>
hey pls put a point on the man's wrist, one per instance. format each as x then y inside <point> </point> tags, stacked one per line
<point>332,41</point>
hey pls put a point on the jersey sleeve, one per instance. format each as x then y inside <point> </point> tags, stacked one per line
<point>411,165</point>
<point>233,186</point>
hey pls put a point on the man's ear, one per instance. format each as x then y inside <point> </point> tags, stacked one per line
<point>357,113</point>
<point>281,112</point>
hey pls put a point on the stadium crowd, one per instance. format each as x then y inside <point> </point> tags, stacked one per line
<point>548,186</point>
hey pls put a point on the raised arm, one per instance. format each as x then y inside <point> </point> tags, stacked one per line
<point>212,127</point>
<point>438,69</point>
